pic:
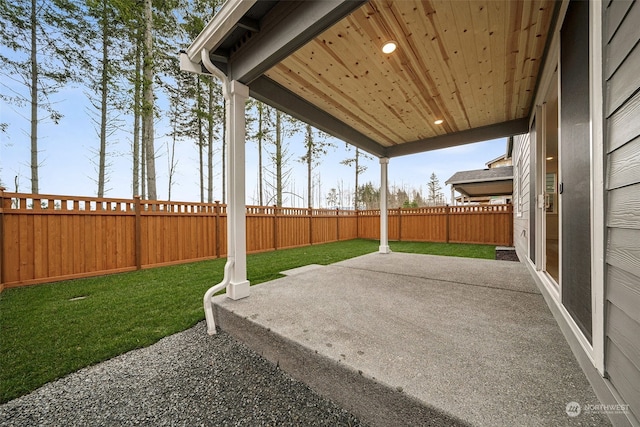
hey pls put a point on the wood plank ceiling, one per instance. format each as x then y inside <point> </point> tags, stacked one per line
<point>470,63</point>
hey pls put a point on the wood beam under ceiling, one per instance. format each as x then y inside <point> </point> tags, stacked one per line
<point>485,133</point>
<point>286,28</point>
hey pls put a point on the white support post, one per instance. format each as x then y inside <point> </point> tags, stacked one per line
<point>238,286</point>
<point>384,229</point>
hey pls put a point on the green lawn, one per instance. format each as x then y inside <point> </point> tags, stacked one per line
<point>48,331</point>
<point>446,249</point>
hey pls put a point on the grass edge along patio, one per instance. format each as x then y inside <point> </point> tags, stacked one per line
<point>81,322</point>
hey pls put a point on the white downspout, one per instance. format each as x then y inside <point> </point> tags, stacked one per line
<point>384,229</point>
<point>206,61</point>
<point>208,297</point>
<point>234,279</point>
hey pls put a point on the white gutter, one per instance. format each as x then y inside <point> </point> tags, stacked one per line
<point>226,280</point>
<point>219,27</point>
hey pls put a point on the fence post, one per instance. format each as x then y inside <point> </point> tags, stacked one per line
<point>337,225</point>
<point>399,224</point>
<point>310,213</point>
<point>138,232</point>
<point>1,237</point>
<point>357,223</point>
<point>217,227</point>
<point>275,227</point>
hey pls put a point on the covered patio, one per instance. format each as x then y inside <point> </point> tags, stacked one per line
<point>407,339</point>
<point>456,73</point>
<point>396,338</point>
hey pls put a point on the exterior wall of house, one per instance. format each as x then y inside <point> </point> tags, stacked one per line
<point>521,184</point>
<point>500,163</point>
<point>621,59</point>
<point>621,40</point>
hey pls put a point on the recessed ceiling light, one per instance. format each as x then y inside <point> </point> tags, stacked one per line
<point>439,122</point>
<point>389,47</point>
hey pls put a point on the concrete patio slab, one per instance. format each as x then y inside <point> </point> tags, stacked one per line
<point>406,339</point>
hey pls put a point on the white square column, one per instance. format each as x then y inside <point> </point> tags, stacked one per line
<point>238,286</point>
<point>384,228</point>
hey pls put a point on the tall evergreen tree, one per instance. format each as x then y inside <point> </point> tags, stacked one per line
<point>148,103</point>
<point>103,79</point>
<point>180,115</point>
<point>316,146</point>
<point>138,185</point>
<point>434,196</point>
<point>359,168</point>
<point>208,108</point>
<point>132,15</point>
<point>284,126</point>
<point>259,126</point>
<point>369,196</point>
<point>44,48</point>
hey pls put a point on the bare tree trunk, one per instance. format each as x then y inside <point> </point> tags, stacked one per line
<point>260,136</point>
<point>210,144</point>
<point>355,198</point>
<point>172,162</point>
<point>309,166</point>
<point>278,158</point>
<point>224,152</point>
<point>147,95</point>
<point>143,165</point>
<point>319,191</point>
<point>200,140</point>
<point>103,101</point>
<point>34,101</point>
<point>136,122</point>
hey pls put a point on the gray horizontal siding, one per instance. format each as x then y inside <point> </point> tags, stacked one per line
<point>615,13</point>
<point>623,250</point>
<point>624,40</point>
<point>521,223</point>
<point>623,165</point>
<point>625,333</point>
<point>623,290</point>
<point>624,82</point>
<point>624,124</point>
<point>622,138</point>
<point>624,376</point>
<point>624,207</point>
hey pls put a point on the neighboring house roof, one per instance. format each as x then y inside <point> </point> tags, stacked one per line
<point>503,159</point>
<point>497,159</point>
<point>483,182</point>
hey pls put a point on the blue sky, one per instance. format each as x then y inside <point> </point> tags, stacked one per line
<point>68,149</point>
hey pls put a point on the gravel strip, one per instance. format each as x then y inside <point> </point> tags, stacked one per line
<point>187,379</point>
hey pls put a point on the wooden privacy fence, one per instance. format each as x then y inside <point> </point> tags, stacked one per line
<point>483,224</point>
<point>47,238</point>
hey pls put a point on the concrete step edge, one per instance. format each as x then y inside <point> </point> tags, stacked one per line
<point>373,402</point>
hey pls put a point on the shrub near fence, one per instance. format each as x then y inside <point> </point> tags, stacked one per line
<point>47,238</point>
